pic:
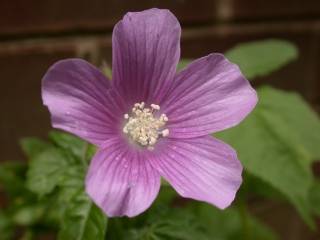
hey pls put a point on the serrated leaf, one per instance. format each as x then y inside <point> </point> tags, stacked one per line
<point>168,224</point>
<point>260,58</point>
<point>32,146</point>
<point>275,144</point>
<point>71,143</point>
<point>82,220</point>
<point>197,221</point>
<point>46,171</point>
<point>23,208</point>
<point>63,167</point>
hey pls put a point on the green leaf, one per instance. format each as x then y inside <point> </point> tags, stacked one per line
<point>297,121</point>
<point>12,178</point>
<point>168,224</point>
<point>315,197</point>
<point>260,58</point>
<point>23,208</point>
<point>6,226</point>
<point>91,150</point>
<point>71,182</point>
<point>33,146</point>
<point>63,168</point>
<point>29,214</point>
<point>82,220</point>
<point>275,143</point>
<point>46,171</point>
<point>231,224</point>
<point>194,221</point>
<point>71,143</point>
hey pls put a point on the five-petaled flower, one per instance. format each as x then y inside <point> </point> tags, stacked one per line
<point>150,121</point>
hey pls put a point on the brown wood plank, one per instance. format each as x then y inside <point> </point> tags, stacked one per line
<point>271,9</point>
<point>22,113</point>
<point>55,16</point>
<point>23,63</point>
<point>23,17</point>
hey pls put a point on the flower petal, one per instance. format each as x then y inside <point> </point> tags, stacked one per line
<point>202,168</point>
<point>122,181</point>
<point>209,95</point>
<point>146,50</point>
<point>80,101</point>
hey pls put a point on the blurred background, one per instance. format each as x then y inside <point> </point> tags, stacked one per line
<point>35,34</point>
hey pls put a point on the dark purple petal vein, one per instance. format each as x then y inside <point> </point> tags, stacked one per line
<point>80,100</point>
<point>202,168</point>
<point>121,181</point>
<point>146,50</point>
<point>209,95</point>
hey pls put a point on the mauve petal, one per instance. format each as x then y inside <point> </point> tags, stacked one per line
<point>80,101</point>
<point>121,181</point>
<point>146,50</point>
<point>209,95</point>
<point>202,168</point>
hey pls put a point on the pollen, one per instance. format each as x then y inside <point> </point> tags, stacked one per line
<point>143,127</point>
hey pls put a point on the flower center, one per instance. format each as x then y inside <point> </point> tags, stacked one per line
<point>143,127</point>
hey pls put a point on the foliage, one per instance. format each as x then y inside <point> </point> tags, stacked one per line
<point>278,147</point>
<point>276,144</point>
<point>258,58</point>
<point>55,187</point>
<point>262,57</point>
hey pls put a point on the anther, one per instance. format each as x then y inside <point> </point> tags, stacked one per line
<point>164,117</point>
<point>155,107</point>
<point>165,132</point>
<point>143,127</point>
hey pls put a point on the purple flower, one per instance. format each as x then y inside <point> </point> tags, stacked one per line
<point>150,121</point>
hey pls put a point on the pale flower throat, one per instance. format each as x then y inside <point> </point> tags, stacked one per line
<point>143,127</point>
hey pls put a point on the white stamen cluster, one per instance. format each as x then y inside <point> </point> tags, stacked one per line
<point>143,127</point>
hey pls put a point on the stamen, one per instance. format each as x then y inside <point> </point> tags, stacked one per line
<point>165,132</point>
<point>143,127</point>
<point>155,107</point>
